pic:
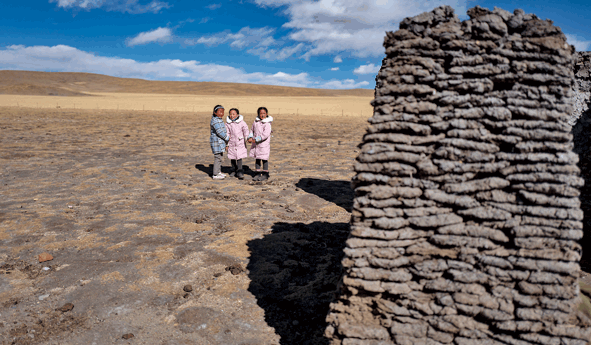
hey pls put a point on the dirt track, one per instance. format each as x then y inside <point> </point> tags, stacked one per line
<point>124,203</point>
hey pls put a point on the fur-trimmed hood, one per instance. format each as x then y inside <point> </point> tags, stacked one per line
<point>238,119</point>
<point>266,120</point>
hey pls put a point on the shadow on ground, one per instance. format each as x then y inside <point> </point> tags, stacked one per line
<point>337,192</point>
<point>582,143</point>
<point>225,169</point>
<point>294,273</point>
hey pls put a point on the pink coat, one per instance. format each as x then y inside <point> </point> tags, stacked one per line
<point>238,132</point>
<point>261,132</point>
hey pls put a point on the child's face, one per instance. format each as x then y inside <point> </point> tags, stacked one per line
<point>263,114</point>
<point>233,114</point>
<point>219,113</point>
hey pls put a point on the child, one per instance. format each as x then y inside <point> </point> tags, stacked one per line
<point>218,141</point>
<point>238,131</point>
<point>260,137</point>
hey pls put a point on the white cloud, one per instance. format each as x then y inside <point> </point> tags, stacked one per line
<point>62,58</point>
<point>210,41</point>
<point>261,37</point>
<point>356,26</point>
<point>344,84</point>
<point>213,6</point>
<point>130,6</point>
<point>204,20</point>
<point>367,69</point>
<point>334,69</point>
<point>270,54</point>
<point>157,35</point>
<point>579,42</point>
<point>337,59</point>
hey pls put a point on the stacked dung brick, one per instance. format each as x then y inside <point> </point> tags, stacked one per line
<point>466,215</point>
<point>582,87</point>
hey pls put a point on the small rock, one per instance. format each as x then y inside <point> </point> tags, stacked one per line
<point>66,308</point>
<point>127,336</point>
<point>186,295</point>
<point>218,274</point>
<point>235,269</point>
<point>45,257</point>
<point>187,288</point>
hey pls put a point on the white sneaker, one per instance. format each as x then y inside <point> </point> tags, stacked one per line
<point>224,175</point>
<point>219,176</point>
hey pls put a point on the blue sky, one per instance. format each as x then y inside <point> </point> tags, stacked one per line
<point>306,43</point>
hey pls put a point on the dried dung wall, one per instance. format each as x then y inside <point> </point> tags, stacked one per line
<point>582,86</point>
<point>466,215</point>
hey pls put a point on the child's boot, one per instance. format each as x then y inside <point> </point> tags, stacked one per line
<point>233,173</point>
<point>258,176</point>
<point>240,174</point>
<point>264,176</point>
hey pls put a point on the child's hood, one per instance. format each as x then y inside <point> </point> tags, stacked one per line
<point>266,120</point>
<point>238,119</point>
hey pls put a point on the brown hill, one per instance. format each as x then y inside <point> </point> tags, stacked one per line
<point>76,84</point>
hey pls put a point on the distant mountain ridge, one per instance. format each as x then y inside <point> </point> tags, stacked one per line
<point>78,84</point>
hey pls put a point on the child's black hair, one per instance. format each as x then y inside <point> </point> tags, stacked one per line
<point>261,108</point>
<point>217,106</point>
<point>237,111</point>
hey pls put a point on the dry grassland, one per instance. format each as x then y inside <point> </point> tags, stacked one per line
<point>277,105</point>
<point>124,203</point>
<point>115,185</point>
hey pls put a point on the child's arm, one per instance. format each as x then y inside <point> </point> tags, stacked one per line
<point>265,135</point>
<point>220,131</point>
<point>245,132</point>
<point>250,135</point>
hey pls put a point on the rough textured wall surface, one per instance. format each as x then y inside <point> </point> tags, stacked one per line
<point>582,85</point>
<point>466,214</point>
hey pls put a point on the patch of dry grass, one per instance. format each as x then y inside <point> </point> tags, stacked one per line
<point>277,105</point>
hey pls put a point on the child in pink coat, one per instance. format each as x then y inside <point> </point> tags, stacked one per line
<point>260,137</point>
<point>238,132</point>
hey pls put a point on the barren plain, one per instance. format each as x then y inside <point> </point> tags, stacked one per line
<point>124,203</point>
<point>146,247</point>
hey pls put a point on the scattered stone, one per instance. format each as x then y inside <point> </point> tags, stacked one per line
<point>66,308</point>
<point>235,269</point>
<point>187,288</point>
<point>127,336</point>
<point>45,257</point>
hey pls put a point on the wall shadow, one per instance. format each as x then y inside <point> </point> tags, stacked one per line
<point>294,273</point>
<point>337,192</point>
<point>582,146</point>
